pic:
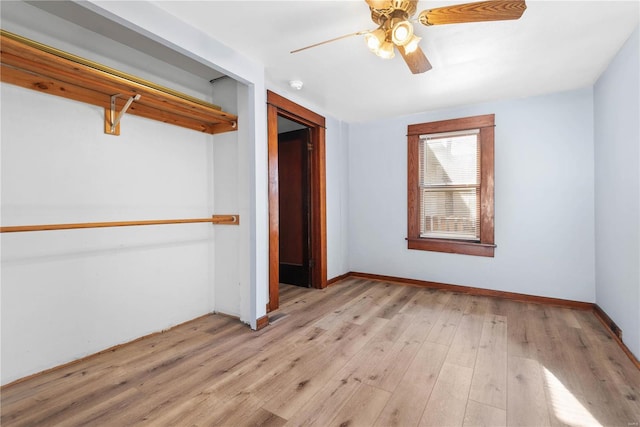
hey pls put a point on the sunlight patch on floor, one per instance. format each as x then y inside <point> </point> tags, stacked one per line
<point>565,405</point>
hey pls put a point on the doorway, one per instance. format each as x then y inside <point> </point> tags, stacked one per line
<point>294,203</point>
<point>313,126</point>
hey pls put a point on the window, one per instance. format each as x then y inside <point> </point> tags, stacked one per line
<point>450,194</point>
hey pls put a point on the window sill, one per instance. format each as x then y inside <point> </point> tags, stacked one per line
<point>452,246</point>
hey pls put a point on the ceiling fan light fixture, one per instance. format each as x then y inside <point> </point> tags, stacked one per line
<point>401,32</point>
<point>413,44</point>
<point>375,39</point>
<point>386,50</point>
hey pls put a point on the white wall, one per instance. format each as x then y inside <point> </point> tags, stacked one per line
<point>227,195</point>
<point>231,194</point>
<point>617,191</point>
<point>337,156</point>
<point>544,196</point>
<point>67,294</point>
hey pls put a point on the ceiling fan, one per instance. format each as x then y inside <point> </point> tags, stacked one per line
<point>395,25</point>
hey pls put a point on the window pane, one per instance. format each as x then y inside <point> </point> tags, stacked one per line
<point>451,214</point>
<point>450,160</point>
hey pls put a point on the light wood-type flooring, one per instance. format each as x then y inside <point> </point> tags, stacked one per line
<point>359,353</point>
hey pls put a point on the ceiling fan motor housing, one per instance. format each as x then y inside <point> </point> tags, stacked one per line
<point>384,10</point>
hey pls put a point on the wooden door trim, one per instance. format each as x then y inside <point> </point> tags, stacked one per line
<point>280,106</point>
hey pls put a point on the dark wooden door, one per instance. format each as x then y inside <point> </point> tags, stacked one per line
<point>294,200</point>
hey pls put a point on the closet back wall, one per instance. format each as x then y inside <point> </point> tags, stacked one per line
<point>66,294</point>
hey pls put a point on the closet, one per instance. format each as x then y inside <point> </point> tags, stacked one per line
<point>108,191</point>
<point>43,68</point>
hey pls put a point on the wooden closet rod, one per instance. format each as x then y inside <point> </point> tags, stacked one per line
<point>215,219</point>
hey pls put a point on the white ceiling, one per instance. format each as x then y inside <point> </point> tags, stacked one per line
<point>555,46</point>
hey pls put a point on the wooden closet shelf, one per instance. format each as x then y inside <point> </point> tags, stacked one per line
<point>40,67</point>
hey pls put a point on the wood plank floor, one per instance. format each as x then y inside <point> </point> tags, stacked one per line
<point>359,353</point>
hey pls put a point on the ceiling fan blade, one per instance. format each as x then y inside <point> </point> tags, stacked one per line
<point>416,60</point>
<point>359,33</point>
<point>473,12</point>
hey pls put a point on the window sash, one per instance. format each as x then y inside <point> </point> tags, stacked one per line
<point>447,219</point>
<point>449,185</point>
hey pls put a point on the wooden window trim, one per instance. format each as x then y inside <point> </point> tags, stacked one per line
<point>486,246</point>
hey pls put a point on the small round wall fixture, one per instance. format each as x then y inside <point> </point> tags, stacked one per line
<point>296,84</point>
